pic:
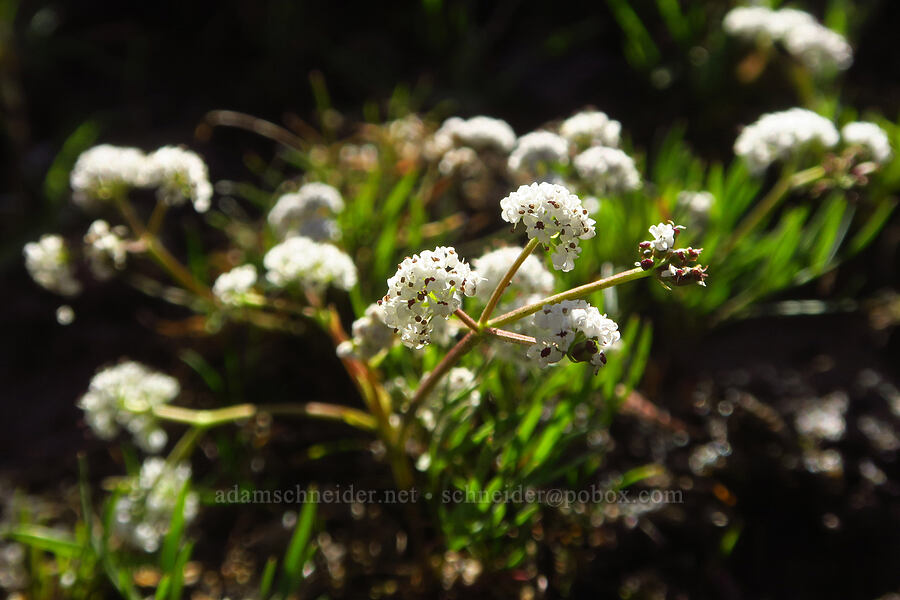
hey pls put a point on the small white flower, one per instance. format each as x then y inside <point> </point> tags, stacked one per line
<point>102,170</point>
<point>780,135</point>
<point>232,287</point>
<point>48,262</point>
<point>538,148</point>
<point>179,175</point>
<point>426,285</point>
<point>530,280</point>
<point>872,138</point>
<point>591,128</point>
<point>144,511</point>
<point>663,237</point>
<point>609,170</point>
<point>105,249</point>
<point>557,326</point>
<point>370,335</point>
<point>478,133</point>
<point>65,315</point>
<point>464,161</point>
<point>123,396</point>
<point>312,264</point>
<point>818,47</point>
<point>308,212</point>
<point>551,211</point>
<point>697,203</point>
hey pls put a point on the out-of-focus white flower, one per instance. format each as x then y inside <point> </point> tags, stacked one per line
<point>370,335</point>
<point>530,280</point>
<point>144,511</point>
<point>232,287</point>
<point>65,315</point>
<point>123,396</point>
<point>822,418</point>
<point>456,382</point>
<point>663,237</point>
<point>464,161</point>
<point>818,47</point>
<point>557,327</point>
<point>103,170</point>
<point>478,133</point>
<point>179,175</point>
<point>426,285</point>
<point>311,264</point>
<point>105,249</point>
<point>548,210</point>
<point>872,138</point>
<point>538,148</point>
<point>48,262</point>
<point>609,170</point>
<point>308,212</point>
<point>813,44</point>
<point>780,135</point>
<point>591,128</point>
<point>698,203</point>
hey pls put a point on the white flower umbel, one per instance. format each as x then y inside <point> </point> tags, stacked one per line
<point>698,203</point>
<point>813,44</point>
<point>780,135</point>
<point>179,175</point>
<point>463,161</point>
<point>231,288</point>
<point>102,171</point>
<point>557,328</point>
<point>105,249</point>
<point>370,335</point>
<point>308,212</point>
<point>538,148</point>
<point>663,237</point>
<point>310,264</point>
<point>144,511</point>
<point>871,138</point>
<point>123,396</point>
<point>818,47</point>
<point>591,128</point>
<point>48,262</point>
<point>530,280</point>
<point>550,212</point>
<point>426,285</point>
<point>609,170</point>
<point>478,133</point>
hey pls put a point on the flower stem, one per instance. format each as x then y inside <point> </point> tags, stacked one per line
<point>504,282</point>
<point>510,336</point>
<point>788,181</point>
<point>228,414</point>
<point>575,293</point>
<point>465,318</point>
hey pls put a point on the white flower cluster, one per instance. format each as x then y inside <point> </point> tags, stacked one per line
<point>558,327</point>
<point>478,133</point>
<point>532,279</point>
<point>548,210</point>
<point>460,160</point>
<point>426,285</point>
<point>370,335</point>
<point>105,249</point>
<point>308,212</point>
<point>48,262</point>
<point>144,511</point>
<point>698,203</point>
<point>312,264</point>
<point>591,128</point>
<point>123,397</point>
<point>822,418</point>
<point>177,174</point>
<point>816,46</point>
<point>100,170</point>
<point>535,149</point>
<point>609,170</point>
<point>231,288</point>
<point>871,138</point>
<point>780,135</point>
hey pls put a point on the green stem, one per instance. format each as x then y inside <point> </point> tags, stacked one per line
<point>228,414</point>
<point>788,181</point>
<point>573,294</point>
<point>510,336</point>
<point>185,445</point>
<point>504,282</point>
